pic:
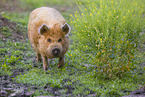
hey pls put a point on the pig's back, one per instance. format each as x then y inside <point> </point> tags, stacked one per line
<point>46,15</point>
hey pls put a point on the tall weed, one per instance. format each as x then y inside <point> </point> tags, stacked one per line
<point>107,32</point>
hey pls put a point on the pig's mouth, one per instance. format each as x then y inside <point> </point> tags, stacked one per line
<point>56,52</point>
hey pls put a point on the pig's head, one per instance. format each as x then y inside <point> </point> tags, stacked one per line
<point>55,39</point>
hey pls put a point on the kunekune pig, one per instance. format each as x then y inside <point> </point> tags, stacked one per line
<point>48,35</point>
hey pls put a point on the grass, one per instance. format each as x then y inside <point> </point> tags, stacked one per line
<point>78,77</point>
<point>13,56</point>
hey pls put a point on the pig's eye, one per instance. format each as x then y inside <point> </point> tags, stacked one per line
<point>49,40</point>
<point>59,40</point>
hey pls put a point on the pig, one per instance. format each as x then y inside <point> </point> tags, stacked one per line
<point>48,34</point>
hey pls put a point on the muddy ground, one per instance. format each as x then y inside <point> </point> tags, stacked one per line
<point>9,87</point>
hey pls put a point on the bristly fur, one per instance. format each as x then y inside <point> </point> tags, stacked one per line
<point>46,24</point>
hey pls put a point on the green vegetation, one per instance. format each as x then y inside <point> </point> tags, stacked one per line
<point>108,33</point>
<point>103,59</point>
<point>12,56</point>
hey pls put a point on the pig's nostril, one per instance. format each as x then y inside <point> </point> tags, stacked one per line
<point>55,52</point>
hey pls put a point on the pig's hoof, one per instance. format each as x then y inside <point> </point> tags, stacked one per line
<point>60,66</point>
<point>39,60</point>
<point>46,68</point>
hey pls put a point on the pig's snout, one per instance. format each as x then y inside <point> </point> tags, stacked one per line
<point>56,51</point>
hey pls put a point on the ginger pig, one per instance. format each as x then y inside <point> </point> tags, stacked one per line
<point>48,35</point>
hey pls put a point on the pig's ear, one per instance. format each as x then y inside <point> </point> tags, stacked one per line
<point>43,29</point>
<point>66,28</point>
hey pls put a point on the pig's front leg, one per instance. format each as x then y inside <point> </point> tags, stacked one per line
<point>45,63</point>
<point>38,57</point>
<point>61,62</point>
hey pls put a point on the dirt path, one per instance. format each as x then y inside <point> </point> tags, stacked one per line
<point>9,5</point>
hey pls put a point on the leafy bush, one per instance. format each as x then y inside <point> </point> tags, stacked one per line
<point>107,32</point>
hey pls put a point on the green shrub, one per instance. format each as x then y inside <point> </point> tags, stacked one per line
<point>107,32</point>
